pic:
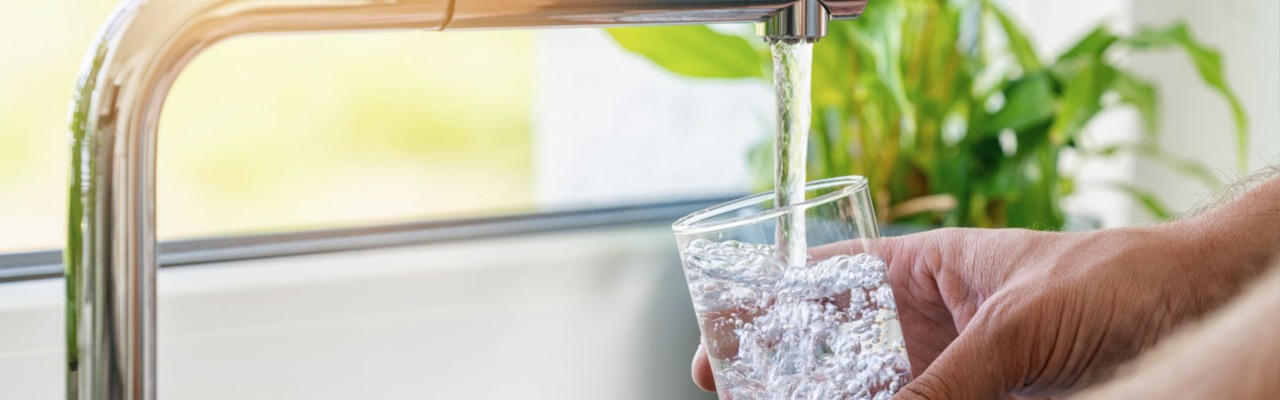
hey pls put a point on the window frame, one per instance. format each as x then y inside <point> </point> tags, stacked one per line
<point>25,266</point>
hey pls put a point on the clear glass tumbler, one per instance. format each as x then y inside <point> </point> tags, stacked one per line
<point>825,327</point>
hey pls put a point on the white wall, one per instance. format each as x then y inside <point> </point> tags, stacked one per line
<point>610,127</point>
<point>1196,123</point>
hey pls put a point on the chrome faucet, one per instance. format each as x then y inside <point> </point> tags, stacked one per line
<point>110,256</point>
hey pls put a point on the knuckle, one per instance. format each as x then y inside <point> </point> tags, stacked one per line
<point>923,389</point>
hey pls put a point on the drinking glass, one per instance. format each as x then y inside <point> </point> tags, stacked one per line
<point>820,324</point>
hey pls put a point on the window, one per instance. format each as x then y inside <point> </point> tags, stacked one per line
<point>272,133</point>
<point>281,133</point>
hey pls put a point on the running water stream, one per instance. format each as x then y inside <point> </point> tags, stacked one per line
<point>792,64</point>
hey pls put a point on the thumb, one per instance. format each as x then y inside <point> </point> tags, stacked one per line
<point>969,368</point>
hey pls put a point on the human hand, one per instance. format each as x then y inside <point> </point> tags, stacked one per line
<point>989,313</point>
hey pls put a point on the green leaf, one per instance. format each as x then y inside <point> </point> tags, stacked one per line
<point>1085,76</point>
<point>878,36</point>
<point>693,50</point>
<point>1208,62</point>
<point>831,67</point>
<point>1145,198</point>
<point>1142,95</point>
<point>1084,80</point>
<point>1028,103</point>
<point>1093,45</point>
<point>1019,45</point>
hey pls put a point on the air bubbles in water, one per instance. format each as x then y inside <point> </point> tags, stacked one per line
<point>826,330</point>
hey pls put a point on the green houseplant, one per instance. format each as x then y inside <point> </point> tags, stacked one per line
<point>948,109</point>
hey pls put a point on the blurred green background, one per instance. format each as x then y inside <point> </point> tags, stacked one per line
<point>273,133</point>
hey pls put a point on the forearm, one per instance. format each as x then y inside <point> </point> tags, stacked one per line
<point>1229,246</point>
<point>1215,256</point>
<point>1247,225</point>
<point>1234,354</point>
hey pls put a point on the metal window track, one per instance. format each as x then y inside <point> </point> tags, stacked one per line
<point>48,264</point>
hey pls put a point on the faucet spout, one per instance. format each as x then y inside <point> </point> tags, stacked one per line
<point>803,20</point>
<point>776,19</point>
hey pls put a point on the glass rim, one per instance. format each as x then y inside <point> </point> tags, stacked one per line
<point>696,222</point>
